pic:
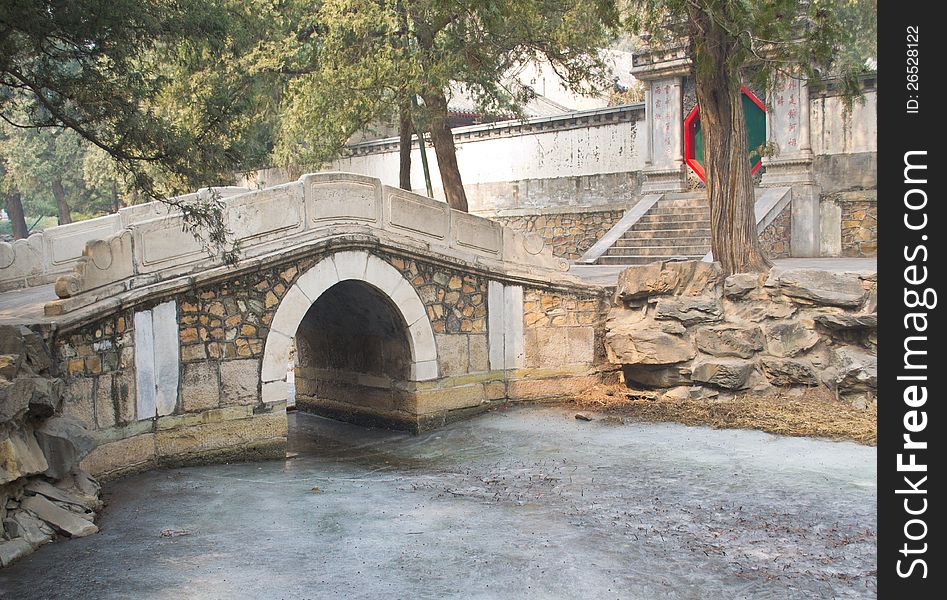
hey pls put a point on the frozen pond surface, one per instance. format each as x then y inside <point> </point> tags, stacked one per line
<point>526,503</point>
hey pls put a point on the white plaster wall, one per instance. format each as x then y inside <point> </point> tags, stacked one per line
<point>836,131</point>
<point>611,148</point>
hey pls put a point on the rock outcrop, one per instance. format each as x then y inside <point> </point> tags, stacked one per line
<point>42,489</point>
<point>677,324</point>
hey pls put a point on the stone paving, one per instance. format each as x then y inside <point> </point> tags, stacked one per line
<point>608,274</point>
<point>524,503</point>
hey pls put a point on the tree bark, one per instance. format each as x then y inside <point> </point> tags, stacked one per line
<point>14,206</point>
<point>405,131</point>
<point>445,151</point>
<point>65,215</point>
<point>116,202</point>
<point>734,239</point>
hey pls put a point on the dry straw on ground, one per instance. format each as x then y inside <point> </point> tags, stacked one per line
<point>816,414</point>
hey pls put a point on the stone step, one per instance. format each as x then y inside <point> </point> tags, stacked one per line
<point>658,220</point>
<point>670,224</point>
<point>686,210</point>
<point>642,234</point>
<point>637,259</point>
<point>699,202</point>
<point>638,242</point>
<point>658,250</point>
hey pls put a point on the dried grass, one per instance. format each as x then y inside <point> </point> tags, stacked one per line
<point>816,414</point>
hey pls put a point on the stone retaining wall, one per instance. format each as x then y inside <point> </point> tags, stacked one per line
<point>683,325</point>
<point>775,239</point>
<point>859,225</point>
<point>569,234</point>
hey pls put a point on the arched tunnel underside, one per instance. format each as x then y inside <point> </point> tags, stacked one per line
<point>354,358</point>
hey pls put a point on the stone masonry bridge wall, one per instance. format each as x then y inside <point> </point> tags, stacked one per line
<point>192,367</point>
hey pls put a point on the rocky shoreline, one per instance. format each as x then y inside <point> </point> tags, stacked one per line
<point>43,491</point>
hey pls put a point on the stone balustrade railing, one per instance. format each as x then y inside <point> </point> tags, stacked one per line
<point>44,256</point>
<point>139,250</point>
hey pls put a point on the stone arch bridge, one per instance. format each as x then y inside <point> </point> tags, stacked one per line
<point>396,310</point>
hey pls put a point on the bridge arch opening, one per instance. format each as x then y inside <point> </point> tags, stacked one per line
<point>362,339</point>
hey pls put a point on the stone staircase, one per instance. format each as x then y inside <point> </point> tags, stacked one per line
<point>677,226</point>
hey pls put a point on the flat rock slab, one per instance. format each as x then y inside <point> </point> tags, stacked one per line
<point>13,549</point>
<point>845,321</point>
<point>54,493</point>
<point>689,310</point>
<point>819,287</point>
<point>63,520</point>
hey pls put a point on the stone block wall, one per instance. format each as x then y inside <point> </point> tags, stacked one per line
<point>211,406</point>
<point>774,240</point>
<point>859,225</point>
<point>179,377</point>
<point>683,325</point>
<point>569,234</point>
<point>538,344</point>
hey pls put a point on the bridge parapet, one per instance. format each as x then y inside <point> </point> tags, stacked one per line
<point>316,207</point>
<point>43,257</point>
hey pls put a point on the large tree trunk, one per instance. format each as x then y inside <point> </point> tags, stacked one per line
<point>444,149</point>
<point>405,131</point>
<point>65,215</point>
<point>734,240</point>
<point>14,206</point>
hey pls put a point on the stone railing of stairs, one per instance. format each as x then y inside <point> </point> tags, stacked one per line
<point>672,227</point>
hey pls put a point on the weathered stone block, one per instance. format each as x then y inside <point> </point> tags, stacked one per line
<point>818,286</point>
<point>121,454</point>
<point>200,386</point>
<point>453,355</point>
<point>553,387</point>
<point>124,390</point>
<point>215,436</point>
<point>631,342</point>
<point>104,406</point>
<point>847,321</point>
<point>728,373</point>
<point>13,550</point>
<point>63,520</point>
<point>463,396</point>
<point>26,526</point>
<point>730,340</point>
<point>739,284</point>
<point>789,339</point>
<point>10,365</point>
<point>239,381</point>
<point>689,310</point>
<point>784,372</point>
<point>65,442</point>
<point>658,376</point>
<point>20,455</point>
<point>78,401</point>
<point>479,353</point>
<point>857,370</point>
<point>683,278</point>
<point>758,312</point>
